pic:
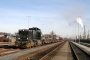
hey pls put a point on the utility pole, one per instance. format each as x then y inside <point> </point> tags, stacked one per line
<point>28,20</point>
<point>78,34</point>
<point>75,33</point>
<point>88,35</point>
<point>42,28</point>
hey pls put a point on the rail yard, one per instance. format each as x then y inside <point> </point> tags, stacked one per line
<point>64,50</point>
<point>44,30</point>
<point>31,45</point>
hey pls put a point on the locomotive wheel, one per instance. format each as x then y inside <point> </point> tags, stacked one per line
<point>28,45</point>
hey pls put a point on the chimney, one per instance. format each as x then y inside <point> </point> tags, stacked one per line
<point>84,36</point>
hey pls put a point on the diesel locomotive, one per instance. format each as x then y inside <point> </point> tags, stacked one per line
<point>27,38</point>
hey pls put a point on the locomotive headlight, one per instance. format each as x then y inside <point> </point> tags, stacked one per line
<point>27,38</point>
<point>18,38</point>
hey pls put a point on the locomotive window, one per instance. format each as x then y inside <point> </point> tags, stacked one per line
<point>38,30</point>
<point>23,35</point>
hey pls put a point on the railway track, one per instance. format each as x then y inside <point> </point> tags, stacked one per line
<point>8,51</point>
<point>7,48</point>
<point>78,54</point>
<point>51,54</point>
<point>39,55</point>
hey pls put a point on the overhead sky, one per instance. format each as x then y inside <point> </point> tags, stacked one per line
<point>49,15</point>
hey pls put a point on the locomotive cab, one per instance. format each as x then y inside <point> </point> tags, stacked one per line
<point>23,39</point>
<point>23,34</point>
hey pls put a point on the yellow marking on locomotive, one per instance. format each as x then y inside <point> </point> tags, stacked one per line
<point>28,45</point>
<point>17,45</point>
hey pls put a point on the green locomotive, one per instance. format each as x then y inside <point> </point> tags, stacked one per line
<point>27,38</point>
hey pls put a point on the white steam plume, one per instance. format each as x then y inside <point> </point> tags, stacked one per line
<point>79,21</point>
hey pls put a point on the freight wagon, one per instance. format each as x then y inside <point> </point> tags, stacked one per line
<point>5,38</point>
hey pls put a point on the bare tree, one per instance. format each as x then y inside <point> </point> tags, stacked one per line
<point>53,35</point>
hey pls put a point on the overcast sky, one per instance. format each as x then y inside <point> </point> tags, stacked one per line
<point>49,15</point>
